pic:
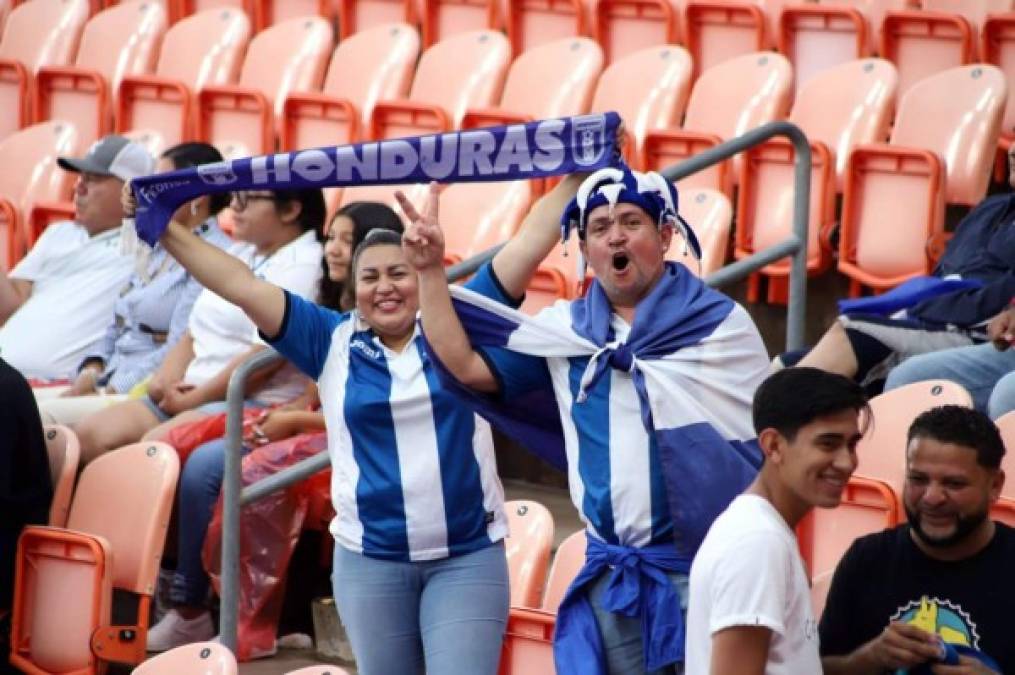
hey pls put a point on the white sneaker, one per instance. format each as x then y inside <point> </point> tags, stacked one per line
<point>173,630</point>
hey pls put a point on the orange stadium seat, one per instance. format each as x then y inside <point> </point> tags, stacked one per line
<point>882,450</point>
<point>726,101</point>
<point>64,578</point>
<point>838,109</point>
<point>290,56</point>
<point>1003,511</point>
<point>973,11</point>
<point>460,72</point>
<point>64,452</point>
<point>1006,423</point>
<point>719,30</point>
<point>710,214</point>
<point>547,286</point>
<point>530,23</point>
<point>528,550</point>
<point>569,558</point>
<point>444,18</point>
<point>319,670</point>
<point>874,12</point>
<point>649,89</point>
<point>36,34</point>
<point>817,37</point>
<point>867,506</point>
<point>998,48</point>
<point>923,43</point>
<point>357,15</point>
<point>373,65</point>
<point>118,41</point>
<point>267,13</point>
<point>198,658</point>
<point>30,175</point>
<point>941,150</point>
<point>201,50</point>
<point>625,26</point>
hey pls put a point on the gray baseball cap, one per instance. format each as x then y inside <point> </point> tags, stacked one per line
<point>112,156</point>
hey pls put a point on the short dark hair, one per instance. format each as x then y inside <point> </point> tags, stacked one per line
<point>186,155</point>
<point>312,208</point>
<point>794,397</point>
<point>962,426</point>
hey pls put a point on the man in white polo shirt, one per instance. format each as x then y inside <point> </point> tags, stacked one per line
<point>57,302</point>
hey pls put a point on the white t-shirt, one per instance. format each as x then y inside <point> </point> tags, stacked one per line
<point>221,330</point>
<point>748,572</point>
<point>75,281</point>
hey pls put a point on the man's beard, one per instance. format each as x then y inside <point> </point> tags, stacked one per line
<point>964,526</point>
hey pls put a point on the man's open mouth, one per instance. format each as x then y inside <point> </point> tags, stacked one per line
<point>620,261</point>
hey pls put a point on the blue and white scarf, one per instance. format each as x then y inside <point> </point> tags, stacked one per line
<point>696,359</point>
<point>534,150</point>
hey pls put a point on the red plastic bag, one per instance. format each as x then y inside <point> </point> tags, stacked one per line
<point>269,529</point>
<point>187,436</point>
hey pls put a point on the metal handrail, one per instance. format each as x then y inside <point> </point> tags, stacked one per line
<point>795,245</point>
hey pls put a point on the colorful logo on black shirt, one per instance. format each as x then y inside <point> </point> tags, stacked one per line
<point>940,617</point>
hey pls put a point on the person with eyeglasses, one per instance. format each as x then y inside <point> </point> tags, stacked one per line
<point>278,239</point>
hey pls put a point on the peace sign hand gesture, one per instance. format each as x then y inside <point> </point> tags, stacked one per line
<point>423,240</point>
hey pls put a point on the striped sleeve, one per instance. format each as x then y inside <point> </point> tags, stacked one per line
<point>305,335</point>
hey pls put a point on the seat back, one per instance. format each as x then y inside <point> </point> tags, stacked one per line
<point>1006,424</point>
<point>547,285</point>
<point>622,27</point>
<point>566,89</point>
<point>882,450</point>
<point>874,11</point>
<point>30,175</point>
<point>269,12</point>
<point>867,506</point>
<point>998,48</point>
<point>723,30</point>
<point>44,32</point>
<point>357,15</point>
<point>848,105</point>
<point>464,71</point>
<point>476,216</point>
<point>125,497</point>
<point>123,40</point>
<point>921,44</point>
<point>528,550</point>
<point>206,658</point>
<point>939,114</point>
<point>444,18</point>
<point>816,38</point>
<point>64,452</point>
<point>973,11</point>
<point>567,561</point>
<point>649,89</point>
<point>531,23</point>
<point>375,64</point>
<point>205,48</point>
<point>319,670</point>
<point>710,215</point>
<point>289,56</point>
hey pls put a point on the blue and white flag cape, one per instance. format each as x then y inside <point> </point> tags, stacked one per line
<point>534,150</point>
<point>696,359</point>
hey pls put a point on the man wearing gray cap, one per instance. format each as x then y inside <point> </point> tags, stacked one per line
<point>57,302</point>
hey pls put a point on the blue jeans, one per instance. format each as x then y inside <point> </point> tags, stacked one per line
<point>983,370</point>
<point>200,484</point>
<point>436,616</point>
<point>622,635</point>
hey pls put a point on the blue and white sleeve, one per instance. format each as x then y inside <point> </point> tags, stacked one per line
<point>305,335</point>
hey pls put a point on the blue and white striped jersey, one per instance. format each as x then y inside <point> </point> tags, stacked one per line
<point>413,471</point>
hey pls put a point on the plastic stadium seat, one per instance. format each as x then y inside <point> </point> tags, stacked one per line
<point>64,579</point>
<point>36,34</point>
<point>373,65</point>
<point>649,89</point>
<point>30,175</point>
<point>531,23</point>
<point>197,658</point>
<point>625,26</point>
<point>569,558</point>
<point>547,286</point>
<point>564,259</point>
<point>840,108</point>
<point>973,11</point>
<point>867,506</point>
<point>270,12</point>
<point>1006,423</point>
<point>442,90</point>
<point>319,670</point>
<point>472,223</point>
<point>817,37</point>
<point>528,550</point>
<point>710,214</point>
<point>924,43</point>
<point>1003,511</point>
<point>357,15</point>
<point>726,101</point>
<point>719,30</point>
<point>444,18</point>
<point>882,450</point>
<point>5,10</point>
<point>874,12</point>
<point>64,452</point>
<point>998,48</point>
<point>291,56</point>
<point>940,151</point>
<point>118,41</point>
<point>201,50</point>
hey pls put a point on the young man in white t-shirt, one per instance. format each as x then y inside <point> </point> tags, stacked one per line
<point>750,607</point>
<point>56,304</point>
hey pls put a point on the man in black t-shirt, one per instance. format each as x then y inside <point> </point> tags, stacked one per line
<point>946,576</point>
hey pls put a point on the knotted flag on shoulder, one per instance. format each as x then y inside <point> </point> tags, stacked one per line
<point>533,150</point>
